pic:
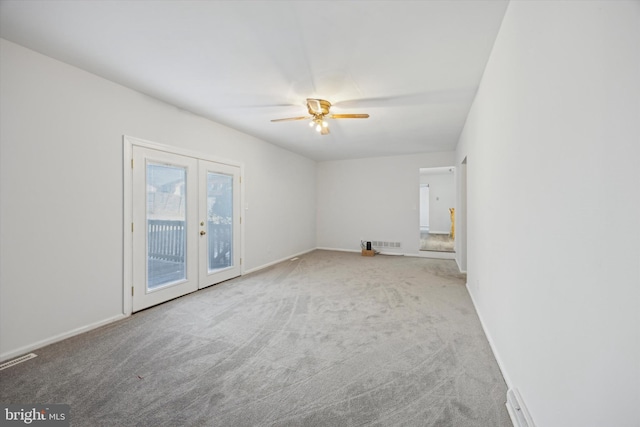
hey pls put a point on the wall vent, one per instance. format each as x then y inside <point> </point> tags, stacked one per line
<point>517,411</point>
<point>20,359</point>
<point>385,245</point>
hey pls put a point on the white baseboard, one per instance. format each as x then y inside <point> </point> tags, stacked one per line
<point>253,270</point>
<point>357,251</point>
<point>339,250</point>
<point>505,375</point>
<point>31,347</point>
<point>421,254</point>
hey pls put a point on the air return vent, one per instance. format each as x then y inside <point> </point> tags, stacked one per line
<point>386,245</point>
<point>20,359</point>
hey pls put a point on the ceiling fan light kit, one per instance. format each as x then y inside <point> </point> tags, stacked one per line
<point>319,110</point>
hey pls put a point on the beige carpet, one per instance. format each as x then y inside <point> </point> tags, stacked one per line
<point>436,242</point>
<point>331,339</point>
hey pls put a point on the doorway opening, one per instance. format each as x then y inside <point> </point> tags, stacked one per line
<point>462,219</point>
<point>437,210</point>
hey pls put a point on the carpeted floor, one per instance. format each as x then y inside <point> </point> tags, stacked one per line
<point>436,242</point>
<point>331,339</point>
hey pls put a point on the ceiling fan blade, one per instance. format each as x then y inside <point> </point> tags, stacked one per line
<point>433,97</point>
<point>247,106</point>
<point>348,116</point>
<point>290,118</point>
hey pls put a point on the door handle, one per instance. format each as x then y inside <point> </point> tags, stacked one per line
<point>202,233</point>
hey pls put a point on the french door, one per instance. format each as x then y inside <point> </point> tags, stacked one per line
<point>219,222</point>
<point>186,221</point>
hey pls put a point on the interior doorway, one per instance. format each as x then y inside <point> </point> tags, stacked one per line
<point>424,208</point>
<point>461,219</point>
<point>437,210</point>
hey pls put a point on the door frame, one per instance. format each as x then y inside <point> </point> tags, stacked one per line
<point>128,142</point>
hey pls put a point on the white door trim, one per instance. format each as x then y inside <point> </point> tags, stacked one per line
<point>127,237</point>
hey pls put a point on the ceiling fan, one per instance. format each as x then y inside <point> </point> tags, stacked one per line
<point>319,110</point>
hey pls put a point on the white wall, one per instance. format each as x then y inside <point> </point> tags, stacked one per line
<point>61,216</point>
<point>442,196</point>
<point>372,199</point>
<point>553,142</point>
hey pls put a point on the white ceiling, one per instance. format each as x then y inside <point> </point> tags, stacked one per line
<point>414,66</point>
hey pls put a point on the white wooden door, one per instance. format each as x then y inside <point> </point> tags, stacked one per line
<point>219,207</point>
<point>165,215</point>
<point>186,225</point>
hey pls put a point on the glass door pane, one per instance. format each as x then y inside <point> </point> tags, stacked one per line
<point>166,225</point>
<point>219,221</point>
